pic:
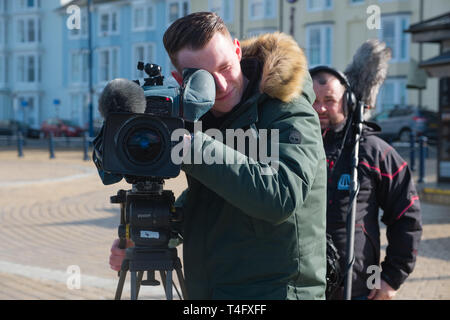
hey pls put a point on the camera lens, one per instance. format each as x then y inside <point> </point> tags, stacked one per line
<point>144,145</point>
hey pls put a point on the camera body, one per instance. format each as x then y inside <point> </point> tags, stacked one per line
<point>140,144</point>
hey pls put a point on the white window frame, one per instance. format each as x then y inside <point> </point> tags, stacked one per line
<point>37,29</point>
<point>323,45</point>
<point>23,78</point>
<point>108,11</point>
<point>3,70</point>
<point>323,6</point>
<point>149,57</point>
<point>3,32</point>
<point>399,36</point>
<point>226,16</point>
<point>144,7</point>
<point>111,66</point>
<point>84,69</point>
<point>180,7</point>
<point>78,102</point>
<point>272,15</point>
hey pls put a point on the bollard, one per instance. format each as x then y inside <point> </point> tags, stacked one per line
<point>51,145</point>
<point>20,144</point>
<point>422,152</point>
<point>412,150</point>
<point>86,146</point>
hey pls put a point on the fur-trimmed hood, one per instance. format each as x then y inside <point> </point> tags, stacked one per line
<point>284,64</point>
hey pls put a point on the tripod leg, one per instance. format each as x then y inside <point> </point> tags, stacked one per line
<point>123,275</point>
<point>133,285</point>
<point>182,284</point>
<point>163,279</point>
<point>168,286</point>
<point>138,282</point>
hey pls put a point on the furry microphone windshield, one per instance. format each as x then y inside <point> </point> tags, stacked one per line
<point>368,70</point>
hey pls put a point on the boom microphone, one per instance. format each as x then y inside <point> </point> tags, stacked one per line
<point>368,70</point>
<point>121,95</point>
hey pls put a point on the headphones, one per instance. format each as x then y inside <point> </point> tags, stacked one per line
<point>350,97</point>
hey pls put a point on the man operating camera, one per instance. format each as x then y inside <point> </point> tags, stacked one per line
<point>248,234</point>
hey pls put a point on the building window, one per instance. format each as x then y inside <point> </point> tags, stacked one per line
<point>177,9</point>
<point>3,68</point>
<point>356,1</point>
<point>143,16</point>
<point>318,5</point>
<point>262,9</point>
<point>79,66</point>
<point>108,22</point>
<point>28,68</point>
<point>2,31</point>
<point>79,108</point>
<point>28,30</point>
<point>27,4</point>
<point>108,61</point>
<point>224,8</point>
<point>144,53</point>
<point>392,32</point>
<point>393,92</point>
<point>319,42</point>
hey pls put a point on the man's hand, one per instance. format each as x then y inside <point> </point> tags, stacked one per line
<point>384,293</point>
<point>117,254</point>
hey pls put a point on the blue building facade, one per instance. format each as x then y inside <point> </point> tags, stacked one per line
<point>30,58</point>
<point>123,33</point>
<point>44,52</point>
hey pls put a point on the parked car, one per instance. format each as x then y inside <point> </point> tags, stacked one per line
<point>60,128</point>
<point>398,123</point>
<point>11,127</point>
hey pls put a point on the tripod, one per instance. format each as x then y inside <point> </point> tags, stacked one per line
<point>140,260</point>
<point>146,216</point>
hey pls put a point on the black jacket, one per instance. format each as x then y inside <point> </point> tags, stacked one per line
<point>385,182</point>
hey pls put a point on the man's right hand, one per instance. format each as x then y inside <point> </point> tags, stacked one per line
<point>117,254</point>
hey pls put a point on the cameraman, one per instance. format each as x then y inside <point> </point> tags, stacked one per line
<point>248,234</point>
<point>385,182</point>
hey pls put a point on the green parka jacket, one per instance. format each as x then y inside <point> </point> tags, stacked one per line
<point>251,232</point>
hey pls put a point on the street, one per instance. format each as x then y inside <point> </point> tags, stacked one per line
<point>57,227</point>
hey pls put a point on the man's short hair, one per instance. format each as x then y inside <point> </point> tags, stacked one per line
<point>193,31</point>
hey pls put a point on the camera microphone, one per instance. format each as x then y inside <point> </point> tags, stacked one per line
<point>121,95</point>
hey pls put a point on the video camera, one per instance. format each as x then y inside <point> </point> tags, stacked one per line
<point>136,143</point>
<point>140,144</point>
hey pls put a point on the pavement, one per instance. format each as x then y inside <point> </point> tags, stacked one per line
<point>57,226</point>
